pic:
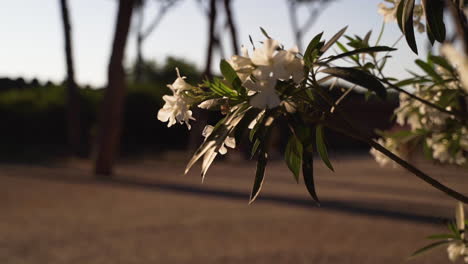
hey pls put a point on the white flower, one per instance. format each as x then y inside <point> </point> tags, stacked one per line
<point>381,158</point>
<point>179,84</point>
<point>264,56</point>
<point>228,142</point>
<point>260,73</point>
<point>458,59</point>
<point>209,104</point>
<point>177,106</point>
<point>455,250</point>
<point>175,110</point>
<point>242,65</point>
<point>266,96</point>
<point>389,13</point>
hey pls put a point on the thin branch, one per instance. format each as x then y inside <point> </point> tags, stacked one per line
<point>441,109</point>
<point>231,25</point>
<point>158,18</point>
<point>418,173</point>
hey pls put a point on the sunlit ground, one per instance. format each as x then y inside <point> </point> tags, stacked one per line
<point>151,213</point>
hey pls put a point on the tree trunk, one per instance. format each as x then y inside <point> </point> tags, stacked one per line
<point>232,26</point>
<point>211,38</point>
<point>73,95</point>
<point>139,61</point>
<point>139,46</point>
<point>108,140</point>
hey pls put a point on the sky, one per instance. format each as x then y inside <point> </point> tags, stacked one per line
<point>31,45</point>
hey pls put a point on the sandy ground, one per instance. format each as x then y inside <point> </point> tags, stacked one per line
<point>151,213</point>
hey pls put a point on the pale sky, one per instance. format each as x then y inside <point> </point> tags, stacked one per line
<point>32,41</point>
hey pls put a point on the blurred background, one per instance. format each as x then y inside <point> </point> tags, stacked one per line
<point>89,175</point>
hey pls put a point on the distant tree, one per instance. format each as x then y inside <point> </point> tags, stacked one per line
<point>315,7</point>
<point>231,25</point>
<point>144,32</point>
<point>110,122</point>
<point>73,95</point>
<point>212,39</point>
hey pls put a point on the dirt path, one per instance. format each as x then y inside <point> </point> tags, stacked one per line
<point>151,213</point>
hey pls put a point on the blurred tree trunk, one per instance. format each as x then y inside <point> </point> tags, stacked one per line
<point>231,25</point>
<point>211,37</point>
<point>213,41</point>
<point>73,95</point>
<point>108,140</point>
<point>139,45</point>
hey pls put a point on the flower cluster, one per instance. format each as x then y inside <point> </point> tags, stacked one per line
<point>177,106</point>
<point>443,135</point>
<point>260,72</point>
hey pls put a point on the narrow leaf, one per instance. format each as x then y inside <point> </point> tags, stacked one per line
<point>408,27</point>
<point>358,77</point>
<point>429,69</point>
<point>362,50</point>
<point>333,39</point>
<point>259,176</point>
<point>321,147</point>
<point>430,246</point>
<point>313,45</point>
<point>434,10</point>
<point>293,156</point>
<point>228,72</point>
<point>441,61</point>
<point>265,33</point>
<point>308,174</point>
<point>399,14</point>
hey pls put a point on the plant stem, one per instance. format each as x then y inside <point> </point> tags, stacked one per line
<point>354,133</point>
<point>441,109</point>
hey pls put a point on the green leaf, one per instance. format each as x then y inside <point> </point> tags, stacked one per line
<point>399,14</point>
<point>314,44</point>
<point>231,77</point>
<point>429,69</point>
<point>430,246</point>
<point>321,147</point>
<point>228,72</point>
<point>308,174</point>
<point>427,151</point>
<point>221,89</point>
<point>453,228</point>
<point>265,33</point>
<point>430,36</point>
<point>358,77</point>
<point>434,10</point>
<point>407,23</point>
<point>259,176</point>
<point>410,81</point>
<point>254,148</point>
<point>257,125</point>
<point>333,39</point>
<point>361,50</point>
<point>293,156</point>
<point>441,61</point>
